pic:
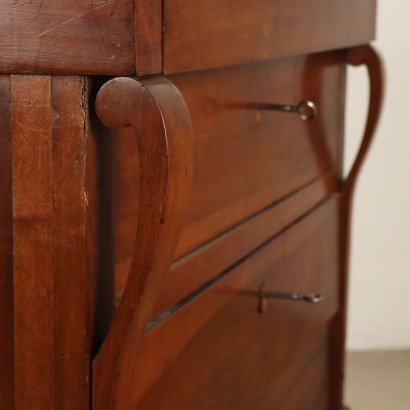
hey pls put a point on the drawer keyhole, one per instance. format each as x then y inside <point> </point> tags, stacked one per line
<point>306,109</point>
<point>264,295</point>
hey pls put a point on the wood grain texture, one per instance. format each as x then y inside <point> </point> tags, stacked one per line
<point>126,194</point>
<point>32,189</point>
<point>69,155</point>
<point>368,57</point>
<point>311,388</point>
<point>100,221</point>
<point>244,159</point>
<point>50,36</point>
<point>212,33</point>
<point>203,264</point>
<point>52,277</point>
<point>220,353</point>
<point>158,114</point>
<point>6,250</point>
<point>148,36</point>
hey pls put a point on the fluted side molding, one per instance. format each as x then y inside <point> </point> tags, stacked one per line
<point>358,56</point>
<point>159,116</point>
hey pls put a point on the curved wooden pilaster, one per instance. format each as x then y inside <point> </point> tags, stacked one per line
<point>158,114</point>
<point>367,56</point>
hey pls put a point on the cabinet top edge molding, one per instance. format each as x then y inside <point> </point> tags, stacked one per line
<point>128,37</point>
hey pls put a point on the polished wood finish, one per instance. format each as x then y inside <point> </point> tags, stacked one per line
<point>148,36</point>
<point>202,265</point>
<point>311,390</point>
<point>32,242</point>
<point>126,193</point>
<point>56,36</point>
<point>157,112</point>
<point>47,151</point>
<point>244,159</point>
<point>140,216</point>
<point>212,33</point>
<point>6,250</point>
<point>368,57</point>
<point>245,146</point>
<point>221,353</point>
<point>126,36</point>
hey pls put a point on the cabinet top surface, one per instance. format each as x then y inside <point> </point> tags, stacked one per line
<point>126,37</point>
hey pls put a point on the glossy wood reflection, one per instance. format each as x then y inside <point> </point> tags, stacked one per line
<point>212,33</point>
<point>222,354</point>
<point>244,159</point>
<point>6,250</point>
<point>48,36</point>
<point>48,244</point>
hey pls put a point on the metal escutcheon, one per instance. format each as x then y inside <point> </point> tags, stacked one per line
<point>291,296</point>
<point>306,109</point>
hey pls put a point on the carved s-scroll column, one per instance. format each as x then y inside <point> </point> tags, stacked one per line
<point>158,114</point>
<point>358,56</point>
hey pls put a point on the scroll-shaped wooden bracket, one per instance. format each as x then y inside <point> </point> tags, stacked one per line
<point>367,56</point>
<point>156,111</point>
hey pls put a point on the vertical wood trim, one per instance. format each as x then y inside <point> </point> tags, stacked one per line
<point>100,223</point>
<point>367,56</point>
<point>71,355</point>
<point>341,117</point>
<point>158,114</point>
<point>32,172</point>
<point>6,251</point>
<point>49,154</point>
<point>148,36</point>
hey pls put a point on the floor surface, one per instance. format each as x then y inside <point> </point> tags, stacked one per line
<point>378,380</point>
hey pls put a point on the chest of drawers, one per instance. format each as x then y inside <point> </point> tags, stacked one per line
<point>175,232</point>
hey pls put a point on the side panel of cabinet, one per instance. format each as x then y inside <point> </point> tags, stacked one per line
<point>55,240</point>
<point>32,241</point>
<point>6,246</point>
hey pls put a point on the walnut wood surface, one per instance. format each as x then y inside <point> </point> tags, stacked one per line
<point>47,36</point>
<point>6,250</point>
<point>311,388</point>
<point>69,233</point>
<point>258,209</point>
<point>33,242</point>
<point>148,36</point>
<point>244,159</point>
<point>45,321</point>
<point>126,37</point>
<point>203,264</point>
<point>211,33</point>
<point>368,57</point>
<point>158,114</point>
<point>221,353</point>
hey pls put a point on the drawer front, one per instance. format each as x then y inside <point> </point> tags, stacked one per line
<point>246,159</point>
<point>218,352</point>
<point>211,33</point>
